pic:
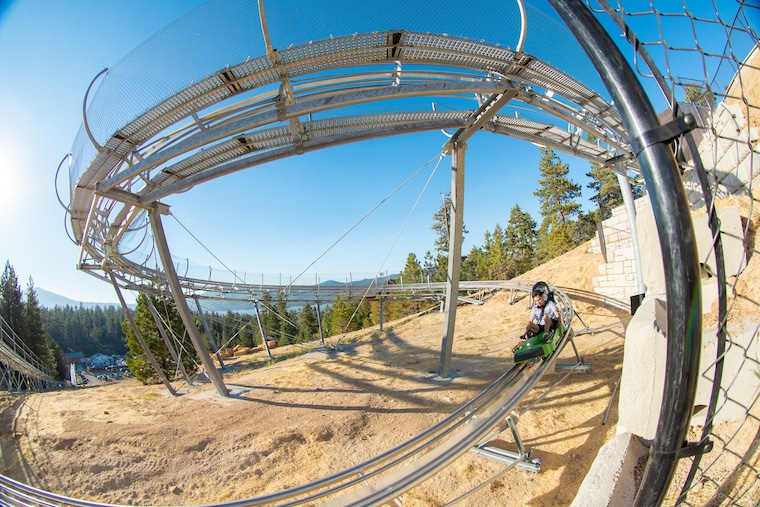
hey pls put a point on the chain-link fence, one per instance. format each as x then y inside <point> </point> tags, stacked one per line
<point>702,58</point>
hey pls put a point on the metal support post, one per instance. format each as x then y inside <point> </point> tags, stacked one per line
<point>319,323</point>
<point>630,210</point>
<point>455,256</point>
<point>214,348</point>
<point>159,322</point>
<point>179,298</point>
<point>579,365</point>
<point>261,330</point>
<point>140,338</point>
<point>520,459</point>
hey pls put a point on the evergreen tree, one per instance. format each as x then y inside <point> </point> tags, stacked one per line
<point>438,265</point>
<point>62,371</point>
<point>441,221</point>
<point>585,227</point>
<point>556,194</point>
<point>497,257</point>
<point>521,240</point>
<point>435,268</point>
<point>308,327</point>
<point>345,316</point>
<point>607,193</point>
<point>269,320</point>
<point>37,339</point>
<point>412,272</point>
<point>698,95</point>
<point>475,265</point>
<point>72,329</point>
<point>246,333</point>
<point>11,302</point>
<point>286,329</point>
<point>137,361</point>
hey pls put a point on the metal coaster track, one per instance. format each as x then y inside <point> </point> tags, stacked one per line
<point>239,118</point>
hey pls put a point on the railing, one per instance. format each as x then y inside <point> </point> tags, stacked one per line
<point>17,355</point>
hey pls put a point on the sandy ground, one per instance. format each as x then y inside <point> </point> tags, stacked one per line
<point>312,415</point>
<point>309,416</point>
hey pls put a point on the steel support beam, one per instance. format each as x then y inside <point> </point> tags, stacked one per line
<point>455,256</point>
<point>319,322</point>
<point>630,210</point>
<point>208,332</point>
<point>261,330</point>
<point>179,298</point>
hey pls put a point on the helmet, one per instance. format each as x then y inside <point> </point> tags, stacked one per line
<point>540,289</point>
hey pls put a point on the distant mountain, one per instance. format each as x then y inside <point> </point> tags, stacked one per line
<point>241,303</point>
<point>51,299</point>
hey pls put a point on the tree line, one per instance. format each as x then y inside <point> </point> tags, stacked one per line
<point>523,244</point>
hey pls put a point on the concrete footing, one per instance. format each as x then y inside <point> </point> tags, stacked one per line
<point>611,481</point>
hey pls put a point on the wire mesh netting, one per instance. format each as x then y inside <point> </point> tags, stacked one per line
<point>706,61</point>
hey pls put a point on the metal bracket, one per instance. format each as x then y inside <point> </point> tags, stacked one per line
<point>522,457</point>
<point>664,133</point>
<point>693,448</point>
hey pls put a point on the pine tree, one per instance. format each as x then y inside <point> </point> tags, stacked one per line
<point>604,184</point>
<point>585,227</point>
<point>11,302</point>
<point>475,265</point>
<point>345,316</point>
<point>521,240</point>
<point>438,265</point>
<point>441,221</point>
<point>497,257</point>
<point>287,330</point>
<point>37,339</point>
<point>269,320</point>
<point>308,327</point>
<point>556,194</point>
<point>137,361</point>
<point>245,334</point>
<point>412,272</point>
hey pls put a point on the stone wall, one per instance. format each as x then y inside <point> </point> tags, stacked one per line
<point>730,155</point>
<point>617,280</point>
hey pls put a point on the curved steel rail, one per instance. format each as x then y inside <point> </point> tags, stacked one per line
<point>677,242</point>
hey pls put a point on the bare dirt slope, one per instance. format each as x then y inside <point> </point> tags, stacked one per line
<point>312,415</point>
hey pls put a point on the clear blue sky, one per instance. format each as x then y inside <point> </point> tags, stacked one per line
<point>275,219</point>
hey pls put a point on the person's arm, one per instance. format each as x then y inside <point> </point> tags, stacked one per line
<point>555,310</point>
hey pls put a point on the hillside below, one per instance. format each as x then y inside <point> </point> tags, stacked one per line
<point>313,414</point>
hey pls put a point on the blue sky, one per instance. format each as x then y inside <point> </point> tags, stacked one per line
<point>274,219</point>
